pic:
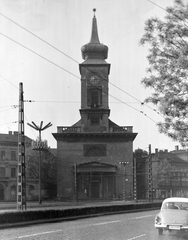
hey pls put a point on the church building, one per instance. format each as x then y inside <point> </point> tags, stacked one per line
<point>95,155</point>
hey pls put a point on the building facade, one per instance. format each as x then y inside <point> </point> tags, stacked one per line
<point>95,155</point>
<point>8,167</point>
<point>169,175</point>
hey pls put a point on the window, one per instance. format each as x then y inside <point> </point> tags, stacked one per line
<point>2,154</point>
<point>13,172</point>
<point>94,120</point>
<point>92,150</point>
<point>94,96</point>
<point>13,155</point>
<point>2,171</point>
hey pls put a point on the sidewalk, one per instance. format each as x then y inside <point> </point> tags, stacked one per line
<point>12,206</point>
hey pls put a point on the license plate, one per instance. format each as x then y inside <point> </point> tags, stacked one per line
<point>174,227</point>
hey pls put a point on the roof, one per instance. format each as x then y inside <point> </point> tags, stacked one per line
<point>176,199</point>
<point>94,49</point>
<point>94,163</point>
<point>96,166</point>
<point>12,137</point>
<point>53,151</point>
<point>172,158</point>
<point>111,124</point>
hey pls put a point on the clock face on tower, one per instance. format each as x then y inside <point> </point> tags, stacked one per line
<point>94,79</point>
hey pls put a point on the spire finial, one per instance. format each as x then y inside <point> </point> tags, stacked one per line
<point>94,10</point>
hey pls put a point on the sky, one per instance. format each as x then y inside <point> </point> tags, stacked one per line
<point>40,47</point>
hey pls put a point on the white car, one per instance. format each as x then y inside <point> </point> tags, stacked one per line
<point>173,215</point>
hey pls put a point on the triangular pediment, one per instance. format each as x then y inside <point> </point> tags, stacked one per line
<point>96,166</point>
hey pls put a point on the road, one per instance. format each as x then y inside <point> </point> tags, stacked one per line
<point>129,226</point>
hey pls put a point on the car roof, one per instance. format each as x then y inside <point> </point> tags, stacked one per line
<point>176,199</point>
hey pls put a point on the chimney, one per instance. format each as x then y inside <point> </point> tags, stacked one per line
<point>156,150</point>
<point>10,132</point>
<point>177,148</point>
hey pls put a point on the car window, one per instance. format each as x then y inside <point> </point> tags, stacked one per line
<point>175,205</point>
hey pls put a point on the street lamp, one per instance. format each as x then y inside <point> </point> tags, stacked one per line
<point>39,147</point>
<point>124,189</point>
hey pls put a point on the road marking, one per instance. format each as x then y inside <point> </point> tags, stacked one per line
<point>35,234</point>
<point>103,223</point>
<point>96,224</point>
<point>137,237</point>
<point>143,216</point>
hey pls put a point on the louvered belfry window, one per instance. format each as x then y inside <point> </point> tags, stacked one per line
<point>94,96</point>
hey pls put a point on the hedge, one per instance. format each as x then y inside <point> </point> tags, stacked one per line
<point>33,215</point>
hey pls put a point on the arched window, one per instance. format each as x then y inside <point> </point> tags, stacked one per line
<point>94,152</point>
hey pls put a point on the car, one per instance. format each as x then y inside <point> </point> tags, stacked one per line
<point>173,216</point>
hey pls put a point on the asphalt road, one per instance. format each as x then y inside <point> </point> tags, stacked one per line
<point>129,226</point>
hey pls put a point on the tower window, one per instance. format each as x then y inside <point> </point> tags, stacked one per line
<point>94,120</point>
<point>94,96</point>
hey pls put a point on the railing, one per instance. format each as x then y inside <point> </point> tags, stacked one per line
<point>78,129</point>
<point>68,129</point>
<point>122,129</point>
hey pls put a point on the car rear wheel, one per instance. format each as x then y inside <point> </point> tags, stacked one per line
<point>160,231</point>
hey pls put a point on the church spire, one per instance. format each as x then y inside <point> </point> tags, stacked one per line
<point>94,32</point>
<point>94,49</point>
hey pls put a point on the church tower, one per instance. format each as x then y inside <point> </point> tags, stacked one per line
<point>94,84</point>
<point>91,150</point>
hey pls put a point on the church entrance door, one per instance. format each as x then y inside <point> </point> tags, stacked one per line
<point>95,189</point>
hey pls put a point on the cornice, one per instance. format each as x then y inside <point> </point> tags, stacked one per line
<point>96,137</point>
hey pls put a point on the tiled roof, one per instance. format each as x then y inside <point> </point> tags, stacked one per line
<point>172,158</point>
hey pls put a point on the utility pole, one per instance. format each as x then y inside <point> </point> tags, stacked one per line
<point>21,181</point>
<point>150,178</point>
<point>75,183</point>
<point>135,181</point>
<point>40,146</point>
<point>124,181</point>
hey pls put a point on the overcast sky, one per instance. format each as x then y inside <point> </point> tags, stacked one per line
<point>50,72</point>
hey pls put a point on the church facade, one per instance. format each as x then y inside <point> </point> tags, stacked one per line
<point>95,155</point>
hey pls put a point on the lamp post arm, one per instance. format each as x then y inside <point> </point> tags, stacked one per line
<point>32,126</point>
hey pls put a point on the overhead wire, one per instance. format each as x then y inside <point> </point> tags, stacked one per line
<point>67,71</point>
<point>9,81</point>
<point>8,123</point>
<point>8,109</point>
<point>38,55</point>
<point>142,103</point>
<point>168,11</point>
<point>38,37</point>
